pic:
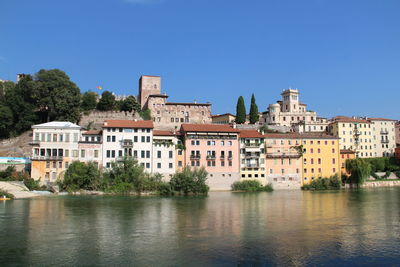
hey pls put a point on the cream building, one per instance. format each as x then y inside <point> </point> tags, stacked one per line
<point>165,152</point>
<point>319,125</point>
<point>55,145</point>
<point>226,118</point>
<point>354,134</point>
<point>289,110</point>
<point>384,137</point>
<point>91,147</point>
<point>252,155</point>
<point>124,138</point>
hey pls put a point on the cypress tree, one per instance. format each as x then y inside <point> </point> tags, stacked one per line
<point>254,117</point>
<point>240,111</point>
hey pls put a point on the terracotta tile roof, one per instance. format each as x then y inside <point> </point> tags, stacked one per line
<point>214,128</point>
<point>299,136</point>
<point>165,133</point>
<point>348,119</point>
<point>220,115</point>
<point>188,104</point>
<point>128,124</point>
<point>379,119</point>
<point>250,134</point>
<point>92,132</point>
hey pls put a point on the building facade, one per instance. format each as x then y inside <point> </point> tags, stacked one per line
<point>216,147</point>
<point>123,138</point>
<point>165,153</point>
<point>252,156</point>
<point>226,118</point>
<point>54,146</point>
<point>384,137</point>
<point>170,115</point>
<point>91,147</point>
<point>354,134</point>
<point>345,154</point>
<point>321,156</point>
<point>283,160</point>
<point>397,132</point>
<point>289,110</point>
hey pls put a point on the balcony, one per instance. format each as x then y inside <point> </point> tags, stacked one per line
<point>195,156</point>
<point>283,155</point>
<point>46,158</point>
<point>34,143</point>
<point>384,141</point>
<point>251,156</point>
<point>252,166</point>
<point>252,145</point>
<point>210,157</point>
<point>384,132</point>
<point>126,143</point>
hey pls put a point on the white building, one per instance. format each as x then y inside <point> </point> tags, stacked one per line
<point>384,137</point>
<point>289,110</point>
<point>164,153</point>
<point>55,145</point>
<point>128,138</point>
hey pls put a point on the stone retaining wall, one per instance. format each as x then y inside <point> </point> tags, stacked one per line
<point>96,118</point>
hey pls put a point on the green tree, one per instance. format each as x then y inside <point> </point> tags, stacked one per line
<point>81,176</point>
<point>4,87</point>
<point>190,181</point>
<point>359,170</point>
<point>106,102</point>
<point>57,97</point>
<point>240,111</point>
<point>254,116</point>
<point>89,101</point>
<point>21,101</point>
<point>130,104</point>
<point>6,121</point>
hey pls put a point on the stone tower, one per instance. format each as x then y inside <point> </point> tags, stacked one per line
<point>148,85</point>
<point>290,100</point>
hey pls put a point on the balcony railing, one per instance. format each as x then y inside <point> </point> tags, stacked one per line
<point>34,143</point>
<point>126,143</point>
<point>252,165</point>
<point>59,158</point>
<point>384,132</point>
<point>195,156</point>
<point>211,157</point>
<point>384,141</point>
<point>255,145</point>
<point>251,156</point>
<point>283,155</point>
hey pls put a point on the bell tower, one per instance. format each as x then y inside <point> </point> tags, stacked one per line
<point>290,100</point>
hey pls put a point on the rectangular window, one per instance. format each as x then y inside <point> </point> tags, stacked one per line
<point>135,139</point>
<point>108,138</point>
<point>96,153</point>
<point>82,153</point>
<point>76,139</point>
<point>148,165</point>
<point>179,163</point>
<point>47,164</point>
<point>48,137</point>
<point>113,139</point>
<point>148,139</point>
<point>170,165</point>
<point>120,153</point>
<point>148,154</point>
<point>142,154</point>
<point>66,152</point>
<point>108,153</point>
<point>143,139</point>
<point>170,154</point>
<point>159,154</point>
<point>113,153</point>
<point>60,164</point>
<point>66,165</point>
<point>159,165</point>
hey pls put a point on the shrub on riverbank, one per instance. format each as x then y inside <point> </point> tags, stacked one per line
<point>189,181</point>
<point>6,194</point>
<point>331,183</point>
<point>251,186</point>
<point>359,169</point>
<point>128,176</point>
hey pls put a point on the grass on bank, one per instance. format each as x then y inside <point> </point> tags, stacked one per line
<point>6,194</point>
<point>251,186</point>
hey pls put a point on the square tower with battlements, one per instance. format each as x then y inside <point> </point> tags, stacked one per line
<point>148,85</point>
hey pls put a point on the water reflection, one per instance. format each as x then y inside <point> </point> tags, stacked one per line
<point>290,228</point>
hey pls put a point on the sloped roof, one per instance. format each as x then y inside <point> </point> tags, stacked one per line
<point>250,134</point>
<point>380,119</point>
<point>165,133</point>
<point>92,132</point>
<point>128,124</point>
<point>213,128</point>
<point>348,119</point>
<point>221,115</point>
<point>57,124</point>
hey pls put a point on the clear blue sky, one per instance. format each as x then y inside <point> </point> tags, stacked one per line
<point>344,55</point>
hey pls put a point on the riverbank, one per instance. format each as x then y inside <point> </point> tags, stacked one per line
<point>18,190</point>
<point>385,183</point>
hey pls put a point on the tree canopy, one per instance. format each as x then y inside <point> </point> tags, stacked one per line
<point>130,104</point>
<point>254,117</point>
<point>240,111</point>
<point>106,102</point>
<point>89,101</point>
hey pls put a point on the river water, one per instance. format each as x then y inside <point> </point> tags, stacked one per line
<point>287,228</point>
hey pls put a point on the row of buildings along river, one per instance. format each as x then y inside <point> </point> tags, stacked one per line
<point>298,146</point>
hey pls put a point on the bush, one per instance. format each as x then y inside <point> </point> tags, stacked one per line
<point>33,184</point>
<point>359,169</point>
<point>81,176</point>
<point>7,174</point>
<point>397,174</point>
<point>330,183</point>
<point>6,194</point>
<point>251,186</point>
<point>165,189</point>
<point>190,181</point>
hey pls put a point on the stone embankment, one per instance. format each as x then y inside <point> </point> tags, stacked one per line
<point>17,189</point>
<point>386,183</point>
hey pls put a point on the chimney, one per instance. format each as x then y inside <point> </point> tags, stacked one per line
<point>234,125</point>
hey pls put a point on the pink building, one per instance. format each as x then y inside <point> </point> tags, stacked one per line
<point>283,162</point>
<point>216,147</point>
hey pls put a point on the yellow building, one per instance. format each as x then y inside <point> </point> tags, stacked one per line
<point>321,156</point>
<point>345,154</point>
<point>226,118</point>
<point>354,134</point>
